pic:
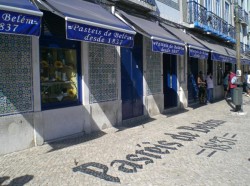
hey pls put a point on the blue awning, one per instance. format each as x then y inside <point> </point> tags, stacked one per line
<point>196,50</point>
<point>162,41</point>
<point>20,17</point>
<point>90,22</point>
<point>244,60</point>
<point>218,52</point>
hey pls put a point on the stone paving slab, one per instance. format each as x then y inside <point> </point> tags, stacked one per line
<point>207,145</point>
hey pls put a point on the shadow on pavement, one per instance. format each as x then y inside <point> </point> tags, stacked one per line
<point>174,112</point>
<point>230,103</point>
<point>67,142</point>
<point>134,124</point>
<point>22,180</point>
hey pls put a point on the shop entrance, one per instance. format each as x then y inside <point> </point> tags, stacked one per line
<point>228,67</point>
<point>131,80</point>
<point>192,80</point>
<point>170,81</point>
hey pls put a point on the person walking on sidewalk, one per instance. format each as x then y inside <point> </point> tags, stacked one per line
<point>210,87</point>
<point>225,83</point>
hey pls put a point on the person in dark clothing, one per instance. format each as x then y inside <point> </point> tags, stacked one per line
<point>202,87</point>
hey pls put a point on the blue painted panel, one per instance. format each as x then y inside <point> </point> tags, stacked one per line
<point>170,81</point>
<point>192,77</point>
<point>131,80</point>
<point>126,74</point>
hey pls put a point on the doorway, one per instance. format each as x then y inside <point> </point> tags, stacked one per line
<point>170,81</point>
<point>132,79</point>
<point>192,77</point>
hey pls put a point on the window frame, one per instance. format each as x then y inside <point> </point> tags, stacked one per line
<point>227,16</point>
<point>53,42</point>
<point>218,8</point>
<point>210,7</point>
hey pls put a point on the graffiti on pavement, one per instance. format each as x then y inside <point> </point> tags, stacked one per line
<point>218,144</point>
<point>149,152</point>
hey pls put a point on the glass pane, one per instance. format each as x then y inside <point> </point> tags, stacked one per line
<point>226,11</point>
<point>58,75</point>
<point>218,7</point>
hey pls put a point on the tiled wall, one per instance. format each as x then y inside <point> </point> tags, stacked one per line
<point>153,65</point>
<point>102,73</point>
<point>15,74</point>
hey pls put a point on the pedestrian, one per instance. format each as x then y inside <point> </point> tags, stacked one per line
<point>231,83</point>
<point>248,84</point>
<point>210,87</point>
<point>225,83</point>
<point>202,88</point>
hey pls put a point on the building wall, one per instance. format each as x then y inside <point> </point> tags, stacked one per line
<point>15,74</point>
<point>16,93</point>
<point>175,11</point>
<point>101,107</point>
<point>16,132</point>
<point>153,91</point>
<point>103,66</point>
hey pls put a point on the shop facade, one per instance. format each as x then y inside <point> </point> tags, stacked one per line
<point>68,84</point>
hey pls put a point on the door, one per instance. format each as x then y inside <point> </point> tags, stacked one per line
<point>170,81</point>
<point>131,80</point>
<point>192,79</point>
<point>228,67</point>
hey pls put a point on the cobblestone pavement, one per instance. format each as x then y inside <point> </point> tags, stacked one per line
<point>207,145</point>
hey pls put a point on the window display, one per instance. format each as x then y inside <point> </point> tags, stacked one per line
<point>58,75</point>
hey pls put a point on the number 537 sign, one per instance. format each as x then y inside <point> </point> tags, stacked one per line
<point>19,23</point>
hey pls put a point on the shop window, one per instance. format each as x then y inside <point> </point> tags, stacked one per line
<point>59,65</point>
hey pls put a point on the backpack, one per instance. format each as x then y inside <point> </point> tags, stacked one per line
<point>234,80</point>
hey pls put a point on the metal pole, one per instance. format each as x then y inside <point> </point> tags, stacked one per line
<point>237,27</point>
<point>238,47</point>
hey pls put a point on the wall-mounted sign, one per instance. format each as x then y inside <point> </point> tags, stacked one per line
<point>200,54</point>
<point>169,48</point>
<point>82,32</point>
<point>222,58</point>
<point>19,23</point>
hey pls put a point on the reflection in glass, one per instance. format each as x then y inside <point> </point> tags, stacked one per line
<point>58,75</point>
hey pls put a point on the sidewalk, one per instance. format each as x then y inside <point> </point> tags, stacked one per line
<point>208,145</point>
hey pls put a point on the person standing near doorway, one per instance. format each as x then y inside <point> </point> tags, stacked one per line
<point>202,88</point>
<point>225,83</point>
<point>210,87</point>
<point>230,84</point>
